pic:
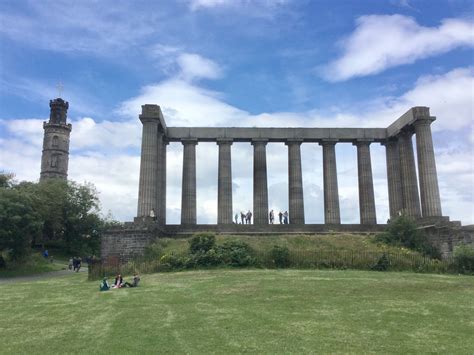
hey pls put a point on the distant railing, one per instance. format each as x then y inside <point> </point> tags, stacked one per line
<point>298,259</point>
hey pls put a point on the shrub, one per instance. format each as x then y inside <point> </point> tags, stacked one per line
<point>212,257</point>
<point>280,256</point>
<point>202,242</point>
<point>402,231</point>
<point>154,251</point>
<point>382,264</point>
<point>464,259</point>
<point>237,253</point>
<point>172,261</point>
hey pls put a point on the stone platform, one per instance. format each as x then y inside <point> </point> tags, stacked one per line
<point>131,239</point>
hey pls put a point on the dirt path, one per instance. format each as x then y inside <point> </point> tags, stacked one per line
<point>43,276</point>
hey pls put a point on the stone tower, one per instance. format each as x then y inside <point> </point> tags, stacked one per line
<point>55,158</point>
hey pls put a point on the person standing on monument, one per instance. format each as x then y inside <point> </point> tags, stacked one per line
<point>271,216</point>
<point>280,217</point>
<point>152,214</point>
<point>236,217</point>
<point>285,217</point>
<point>242,217</point>
<point>249,217</point>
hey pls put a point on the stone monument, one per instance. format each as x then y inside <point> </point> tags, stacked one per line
<point>55,157</point>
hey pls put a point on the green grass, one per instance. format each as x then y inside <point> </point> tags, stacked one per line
<point>235,311</point>
<point>340,242</point>
<point>32,265</point>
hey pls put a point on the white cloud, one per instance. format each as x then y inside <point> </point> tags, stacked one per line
<point>257,4</point>
<point>101,29</point>
<point>196,4</point>
<point>193,66</point>
<point>384,41</point>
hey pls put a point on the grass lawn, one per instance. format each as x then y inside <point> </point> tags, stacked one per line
<point>34,264</point>
<point>233,311</point>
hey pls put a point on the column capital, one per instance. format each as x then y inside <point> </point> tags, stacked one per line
<point>189,141</point>
<point>362,142</point>
<point>148,119</point>
<point>406,131</point>
<point>224,141</point>
<point>389,141</point>
<point>259,141</point>
<point>297,141</point>
<point>328,141</point>
<point>424,121</point>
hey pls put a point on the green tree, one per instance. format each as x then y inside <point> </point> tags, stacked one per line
<point>403,231</point>
<point>20,223</point>
<point>53,213</point>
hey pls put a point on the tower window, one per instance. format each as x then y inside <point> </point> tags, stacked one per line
<point>55,141</point>
<point>54,161</point>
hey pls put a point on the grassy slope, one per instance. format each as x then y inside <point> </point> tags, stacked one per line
<point>229,311</point>
<point>35,264</point>
<point>341,242</point>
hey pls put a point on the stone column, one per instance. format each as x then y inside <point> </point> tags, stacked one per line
<point>332,213</point>
<point>147,188</point>
<point>295,182</point>
<point>429,190</point>
<point>366,185</point>
<point>260,188</point>
<point>161,215</point>
<point>395,197</point>
<point>224,183</point>
<point>411,199</point>
<point>188,194</point>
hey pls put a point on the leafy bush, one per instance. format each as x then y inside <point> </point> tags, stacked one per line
<point>382,264</point>
<point>212,257</point>
<point>402,231</point>
<point>172,261</point>
<point>237,253</point>
<point>202,243</point>
<point>280,256</point>
<point>464,259</point>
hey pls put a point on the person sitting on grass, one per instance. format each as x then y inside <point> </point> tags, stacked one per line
<point>136,280</point>
<point>118,281</point>
<point>104,285</point>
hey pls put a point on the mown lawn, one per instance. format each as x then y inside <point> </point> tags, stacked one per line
<point>235,311</point>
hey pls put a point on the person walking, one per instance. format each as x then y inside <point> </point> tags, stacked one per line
<point>271,216</point>
<point>242,217</point>
<point>280,217</point>
<point>285,217</point>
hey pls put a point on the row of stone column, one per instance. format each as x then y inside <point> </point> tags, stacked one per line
<point>401,175</point>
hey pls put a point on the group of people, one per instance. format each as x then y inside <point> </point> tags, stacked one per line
<point>282,217</point>
<point>246,218</point>
<point>119,283</point>
<point>75,263</point>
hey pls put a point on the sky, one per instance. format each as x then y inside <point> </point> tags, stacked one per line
<point>255,63</point>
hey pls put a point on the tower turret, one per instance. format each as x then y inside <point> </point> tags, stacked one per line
<point>55,158</point>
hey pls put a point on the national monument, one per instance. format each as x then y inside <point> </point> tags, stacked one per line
<point>415,195</point>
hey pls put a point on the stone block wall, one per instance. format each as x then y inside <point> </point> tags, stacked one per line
<point>446,238</point>
<point>127,242</point>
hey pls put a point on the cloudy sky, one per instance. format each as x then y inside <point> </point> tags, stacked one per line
<point>279,63</point>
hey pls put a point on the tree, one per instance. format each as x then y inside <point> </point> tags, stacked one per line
<point>53,213</point>
<point>20,223</point>
<point>403,231</point>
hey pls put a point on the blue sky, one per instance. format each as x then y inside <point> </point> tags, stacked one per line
<point>237,63</point>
